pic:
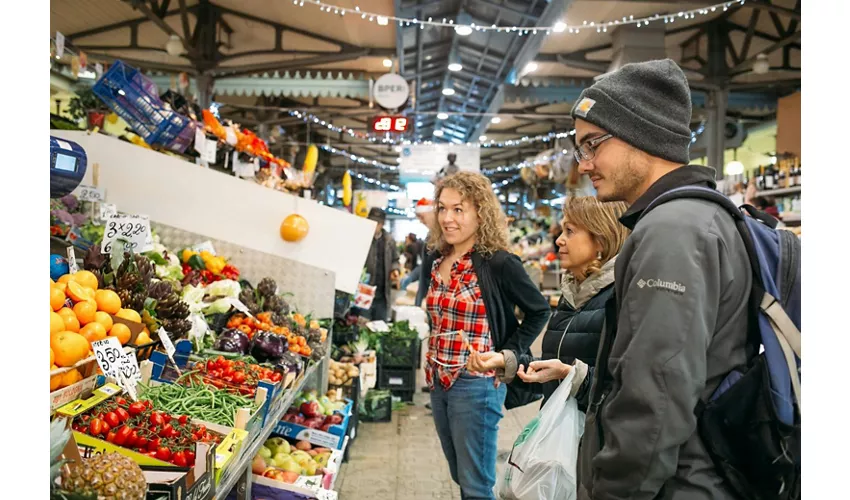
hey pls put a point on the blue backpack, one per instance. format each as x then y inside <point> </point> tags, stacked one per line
<point>751,424</point>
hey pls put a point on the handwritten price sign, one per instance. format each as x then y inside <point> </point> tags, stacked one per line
<point>108,353</point>
<point>133,230</point>
<point>91,193</point>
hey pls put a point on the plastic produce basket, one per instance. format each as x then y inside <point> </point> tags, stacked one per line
<point>134,97</point>
<point>399,353</point>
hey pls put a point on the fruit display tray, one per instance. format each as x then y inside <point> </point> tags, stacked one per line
<point>334,438</point>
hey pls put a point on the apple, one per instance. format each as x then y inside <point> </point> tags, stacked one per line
<point>279,459</point>
<point>265,452</point>
<point>289,477</point>
<point>299,419</point>
<point>311,409</point>
<point>291,465</point>
<point>303,445</point>
<point>258,465</point>
<point>325,427</point>
<point>310,468</point>
<point>335,419</point>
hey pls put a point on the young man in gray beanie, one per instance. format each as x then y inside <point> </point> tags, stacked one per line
<point>682,281</point>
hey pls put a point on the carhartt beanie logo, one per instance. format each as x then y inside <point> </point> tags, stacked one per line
<point>647,105</point>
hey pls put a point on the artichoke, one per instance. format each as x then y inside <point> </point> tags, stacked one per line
<point>267,287</point>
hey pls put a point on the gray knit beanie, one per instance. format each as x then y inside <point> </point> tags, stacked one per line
<point>647,105</point>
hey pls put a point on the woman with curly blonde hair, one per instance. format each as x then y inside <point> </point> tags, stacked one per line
<point>588,246</point>
<point>474,289</point>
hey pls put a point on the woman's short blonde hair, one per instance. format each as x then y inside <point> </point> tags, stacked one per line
<point>492,233</point>
<point>601,220</point>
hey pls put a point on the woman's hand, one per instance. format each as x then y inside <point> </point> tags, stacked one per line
<point>481,362</point>
<point>544,371</point>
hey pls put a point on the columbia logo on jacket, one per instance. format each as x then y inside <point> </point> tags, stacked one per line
<point>672,286</point>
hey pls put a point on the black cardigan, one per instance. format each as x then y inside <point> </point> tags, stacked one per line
<point>505,286</point>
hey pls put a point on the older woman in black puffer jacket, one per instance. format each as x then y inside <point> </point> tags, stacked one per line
<point>588,246</point>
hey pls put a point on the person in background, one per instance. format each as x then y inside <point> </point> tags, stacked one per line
<point>447,170</point>
<point>588,246</point>
<point>682,283</point>
<point>381,263</point>
<point>475,287</point>
<point>767,205</point>
<point>413,249</point>
<point>426,215</point>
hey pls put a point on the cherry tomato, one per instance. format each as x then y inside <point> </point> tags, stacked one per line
<point>153,444</point>
<point>167,431</point>
<point>111,418</point>
<point>156,419</point>
<point>149,405</point>
<point>123,416</point>
<point>190,457</point>
<point>121,435</point>
<point>141,443</point>
<point>163,453</point>
<point>179,459</point>
<point>132,440</point>
<point>121,401</point>
<point>110,437</point>
<point>96,426</point>
<point>183,419</point>
<point>136,408</point>
<point>239,377</point>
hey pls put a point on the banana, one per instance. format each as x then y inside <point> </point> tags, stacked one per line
<point>310,160</point>
<point>346,189</point>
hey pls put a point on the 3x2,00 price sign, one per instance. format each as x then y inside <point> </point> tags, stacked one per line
<point>133,230</point>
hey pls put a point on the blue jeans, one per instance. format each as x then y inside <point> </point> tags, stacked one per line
<point>412,277</point>
<point>467,418</point>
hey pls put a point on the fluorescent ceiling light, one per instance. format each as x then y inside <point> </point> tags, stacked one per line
<point>463,30</point>
<point>438,133</point>
<point>496,119</point>
<point>448,91</point>
<point>455,67</point>
<point>442,116</point>
<point>388,63</point>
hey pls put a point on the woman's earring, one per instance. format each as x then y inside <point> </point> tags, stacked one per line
<point>598,255</point>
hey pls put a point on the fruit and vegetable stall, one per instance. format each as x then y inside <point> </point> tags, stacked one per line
<point>188,364</point>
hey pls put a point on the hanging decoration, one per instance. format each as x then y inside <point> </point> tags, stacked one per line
<point>359,159</point>
<point>376,182</point>
<point>559,27</point>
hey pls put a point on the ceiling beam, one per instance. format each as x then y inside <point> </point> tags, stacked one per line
<point>747,63</point>
<point>160,23</point>
<point>768,6</point>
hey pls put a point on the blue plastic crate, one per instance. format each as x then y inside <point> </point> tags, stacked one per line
<point>134,97</point>
<point>334,438</point>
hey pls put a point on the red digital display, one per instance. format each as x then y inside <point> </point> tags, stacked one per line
<point>384,124</point>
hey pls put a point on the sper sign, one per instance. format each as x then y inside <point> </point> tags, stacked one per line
<point>385,124</point>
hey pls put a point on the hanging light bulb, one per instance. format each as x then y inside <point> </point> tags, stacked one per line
<point>762,65</point>
<point>442,116</point>
<point>174,46</point>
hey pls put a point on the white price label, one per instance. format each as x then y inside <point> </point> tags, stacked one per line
<point>133,230</point>
<point>378,326</point>
<point>210,150</point>
<point>91,193</point>
<point>239,306</point>
<point>200,140</point>
<point>230,136</point>
<point>98,69</point>
<point>108,354</point>
<point>204,246</point>
<point>129,367</point>
<point>72,261</point>
<point>107,210</point>
<point>166,343</point>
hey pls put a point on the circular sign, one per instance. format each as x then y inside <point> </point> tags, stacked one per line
<point>391,91</point>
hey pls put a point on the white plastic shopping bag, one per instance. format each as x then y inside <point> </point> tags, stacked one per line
<point>542,464</point>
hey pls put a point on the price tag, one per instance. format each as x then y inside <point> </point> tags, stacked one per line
<point>230,136</point>
<point>91,193</point>
<point>108,353</point>
<point>204,246</point>
<point>378,326</point>
<point>133,230</point>
<point>72,261</point>
<point>98,69</point>
<point>169,347</point>
<point>239,306</point>
<point>210,150</point>
<point>107,210</point>
<point>200,140</point>
<point>129,367</point>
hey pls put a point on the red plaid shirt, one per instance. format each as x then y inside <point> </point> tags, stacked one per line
<point>453,307</point>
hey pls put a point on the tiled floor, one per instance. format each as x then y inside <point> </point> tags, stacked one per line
<point>402,459</point>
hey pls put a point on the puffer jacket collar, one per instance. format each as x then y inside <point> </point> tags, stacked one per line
<point>577,294</point>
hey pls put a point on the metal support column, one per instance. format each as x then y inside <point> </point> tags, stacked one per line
<point>716,128</point>
<point>205,90</point>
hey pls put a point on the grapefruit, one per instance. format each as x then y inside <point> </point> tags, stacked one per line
<point>57,324</point>
<point>121,332</point>
<point>104,319</point>
<point>107,301</point>
<point>294,228</point>
<point>129,315</point>
<point>68,348</point>
<point>78,292</point>
<point>86,278</point>
<point>93,332</point>
<point>57,298</point>
<point>85,311</point>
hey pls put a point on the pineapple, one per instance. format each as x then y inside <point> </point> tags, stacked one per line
<point>59,436</point>
<point>110,476</point>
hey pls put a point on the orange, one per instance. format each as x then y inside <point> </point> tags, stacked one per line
<point>78,292</point>
<point>55,380</point>
<point>57,298</point>
<point>85,311</point>
<point>68,348</point>
<point>61,287</point>
<point>129,315</point>
<point>294,228</point>
<point>57,324</point>
<point>104,319</point>
<point>86,278</point>
<point>66,313</point>
<point>64,279</point>
<point>143,338</point>
<point>107,301</point>
<point>72,324</point>
<point>93,331</point>
<point>70,377</point>
<point>121,332</point>
<point>51,358</point>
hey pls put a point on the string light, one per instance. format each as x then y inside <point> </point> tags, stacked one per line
<point>528,140</point>
<point>505,182</point>
<point>376,182</point>
<point>359,159</point>
<point>311,118</point>
<point>559,27</point>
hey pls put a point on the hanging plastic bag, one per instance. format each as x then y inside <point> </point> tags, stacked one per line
<point>542,464</point>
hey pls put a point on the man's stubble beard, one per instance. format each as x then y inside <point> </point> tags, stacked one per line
<point>627,180</point>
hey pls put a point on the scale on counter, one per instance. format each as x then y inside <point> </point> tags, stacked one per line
<point>67,166</point>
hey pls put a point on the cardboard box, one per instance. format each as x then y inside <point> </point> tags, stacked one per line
<point>228,451</point>
<point>197,483</point>
<point>333,439</point>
